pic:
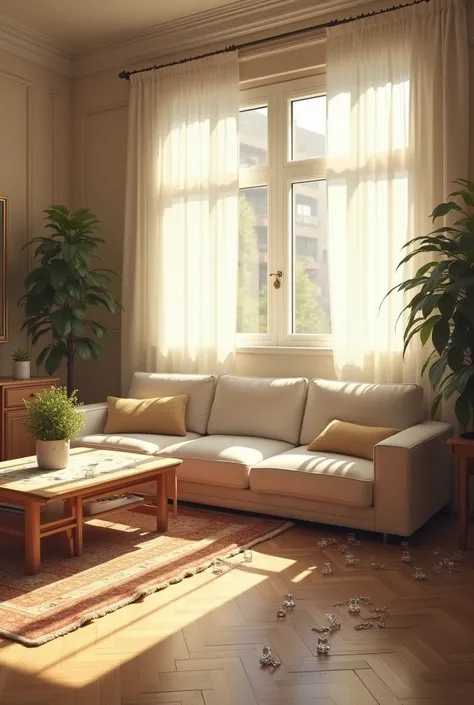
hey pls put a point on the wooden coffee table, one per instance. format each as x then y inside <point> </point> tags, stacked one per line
<point>91,474</point>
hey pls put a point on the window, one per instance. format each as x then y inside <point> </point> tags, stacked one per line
<point>253,130</point>
<point>283,288</point>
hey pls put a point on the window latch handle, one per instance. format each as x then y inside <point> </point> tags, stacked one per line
<point>278,275</point>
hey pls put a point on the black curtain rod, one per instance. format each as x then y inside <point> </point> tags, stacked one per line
<point>284,35</point>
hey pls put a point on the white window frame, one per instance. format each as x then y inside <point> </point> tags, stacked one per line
<point>279,176</point>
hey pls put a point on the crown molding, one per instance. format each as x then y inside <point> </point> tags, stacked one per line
<point>225,25</point>
<point>32,46</point>
<point>244,19</point>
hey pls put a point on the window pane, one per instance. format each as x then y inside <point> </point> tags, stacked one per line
<point>310,310</point>
<point>253,261</point>
<point>253,137</point>
<point>308,128</point>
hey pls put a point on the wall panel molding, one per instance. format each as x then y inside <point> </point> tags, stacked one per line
<point>20,233</point>
<point>120,105</point>
<point>54,127</point>
<point>33,46</point>
<point>4,75</point>
<point>8,76</point>
<point>105,108</point>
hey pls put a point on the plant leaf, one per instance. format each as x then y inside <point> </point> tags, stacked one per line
<point>435,405</point>
<point>427,328</point>
<point>429,303</point>
<point>88,348</point>
<point>444,208</point>
<point>42,355</point>
<point>440,334</point>
<point>427,361</point>
<point>455,359</point>
<point>446,304</point>
<point>465,195</point>
<point>53,359</point>
<point>58,273</point>
<point>462,378</point>
<point>61,322</point>
<point>437,371</point>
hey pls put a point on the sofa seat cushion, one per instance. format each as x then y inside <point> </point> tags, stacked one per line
<point>223,460</point>
<point>148,443</point>
<point>328,477</point>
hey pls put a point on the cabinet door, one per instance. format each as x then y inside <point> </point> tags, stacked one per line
<point>18,442</point>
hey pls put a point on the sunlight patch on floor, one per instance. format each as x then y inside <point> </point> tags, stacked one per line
<point>154,619</point>
<point>304,574</point>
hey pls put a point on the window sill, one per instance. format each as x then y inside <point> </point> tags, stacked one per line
<point>282,350</point>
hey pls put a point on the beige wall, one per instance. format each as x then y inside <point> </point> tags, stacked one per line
<point>35,165</point>
<point>99,144</point>
<point>100,106</point>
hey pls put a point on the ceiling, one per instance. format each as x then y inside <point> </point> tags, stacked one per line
<point>79,25</point>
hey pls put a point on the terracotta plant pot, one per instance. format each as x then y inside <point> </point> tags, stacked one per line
<point>52,455</point>
<point>21,370</point>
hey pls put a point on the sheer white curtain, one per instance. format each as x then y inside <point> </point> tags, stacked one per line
<point>181,219</point>
<point>398,134</point>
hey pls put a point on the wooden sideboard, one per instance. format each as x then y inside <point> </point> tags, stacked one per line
<point>15,439</point>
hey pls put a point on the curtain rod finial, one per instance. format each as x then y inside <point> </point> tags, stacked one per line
<point>125,74</point>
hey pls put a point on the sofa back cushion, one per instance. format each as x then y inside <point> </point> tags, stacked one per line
<point>258,406</point>
<point>389,405</point>
<point>199,388</point>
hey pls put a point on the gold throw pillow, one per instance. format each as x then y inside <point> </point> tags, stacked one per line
<point>351,439</point>
<point>164,415</point>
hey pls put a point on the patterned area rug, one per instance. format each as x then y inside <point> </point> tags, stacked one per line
<point>124,559</point>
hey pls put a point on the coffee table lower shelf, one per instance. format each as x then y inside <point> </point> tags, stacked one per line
<point>39,521</point>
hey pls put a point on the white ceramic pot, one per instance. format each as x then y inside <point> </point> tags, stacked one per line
<point>52,455</point>
<point>21,370</point>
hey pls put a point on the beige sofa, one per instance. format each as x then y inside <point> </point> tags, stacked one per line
<point>246,448</point>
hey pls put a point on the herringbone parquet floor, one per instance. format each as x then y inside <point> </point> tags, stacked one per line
<point>197,643</point>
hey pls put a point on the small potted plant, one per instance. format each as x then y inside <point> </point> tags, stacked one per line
<point>21,364</point>
<point>53,419</point>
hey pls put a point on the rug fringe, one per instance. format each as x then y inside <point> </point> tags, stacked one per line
<point>140,594</point>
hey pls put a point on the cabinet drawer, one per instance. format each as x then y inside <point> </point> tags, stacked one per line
<point>15,396</point>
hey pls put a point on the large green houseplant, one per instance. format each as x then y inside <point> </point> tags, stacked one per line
<point>441,311</point>
<point>64,286</point>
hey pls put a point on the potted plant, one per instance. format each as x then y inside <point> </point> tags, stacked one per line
<point>21,364</point>
<point>53,418</point>
<point>63,288</point>
<point>441,311</point>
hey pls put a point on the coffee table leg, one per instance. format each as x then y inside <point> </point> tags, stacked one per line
<point>32,538</point>
<point>463,499</point>
<point>69,512</point>
<point>175,496</point>
<point>161,503</point>
<point>78,531</point>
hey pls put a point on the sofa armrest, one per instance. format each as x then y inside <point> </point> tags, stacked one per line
<point>95,420</point>
<point>412,473</point>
